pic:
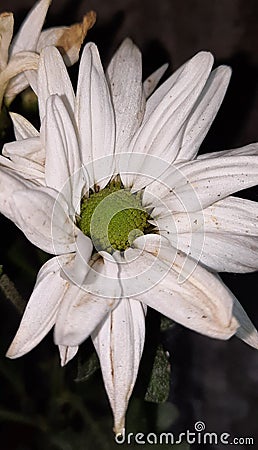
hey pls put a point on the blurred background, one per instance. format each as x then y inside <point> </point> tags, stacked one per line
<point>42,406</point>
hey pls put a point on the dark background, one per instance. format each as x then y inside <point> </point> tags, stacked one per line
<point>212,381</point>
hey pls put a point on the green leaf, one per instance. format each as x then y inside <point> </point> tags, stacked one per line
<point>158,388</point>
<point>87,368</point>
<point>166,323</point>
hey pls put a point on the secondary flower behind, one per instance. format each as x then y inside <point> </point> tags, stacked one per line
<point>113,188</point>
<point>22,53</point>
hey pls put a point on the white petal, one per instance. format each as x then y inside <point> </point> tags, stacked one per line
<point>154,101</point>
<point>204,112</point>
<point>49,37</point>
<point>95,118</point>
<point>16,85</point>
<point>6,33</point>
<point>247,150</point>
<point>178,288</point>
<point>24,168</point>
<point>119,343</point>
<point>159,193</point>
<point>17,64</point>
<point>28,148</point>
<point>220,177</point>
<point>223,237</point>
<point>152,81</point>
<point>191,76</point>
<point>200,183</point>
<point>53,79</point>
<point>40,313</point>
<point>247,331</point>
<point>23,129</point>
<point>32,79</point>
<point>67,353</point>
<point>162,129</point>
<point>84,306</point>
<point>77,271</point>
<point>20,82</point>
<point>28,35</point>
<point>63,166</point>
<point>185,232</point>
<point>44,221</point>
<point>124,75</point>
<point>10,182</point>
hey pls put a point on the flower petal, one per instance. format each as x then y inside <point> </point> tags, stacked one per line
<point>178,288</point>
<point>39,214</point>
<point>28,35</point>
<point>198,184</point>
<point>119,342</point>
<point>162,128</point>
<point>25,168</point>
<point>63,166</point>
<point>163,90</point>
<point>223,237</point>
<point>204,112</point>
<point>17,64</point>
<point>6,34</point>
<point>17,84</point>
<point>53,79</point>
<point>124,75</point>
<point>85,306</point>
<point>247,331</point>
<point>95,118</point>
<point>219,177</point>
<point>247,150</point>
<point>152,81</point>
<point>79,267</point>
<point>9,183</point>
<point>28,148</point>
<point>40,313</point>
<point>23,129</point>
<point>67,353</point>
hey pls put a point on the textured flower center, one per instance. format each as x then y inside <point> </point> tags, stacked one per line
<point>113,218</point>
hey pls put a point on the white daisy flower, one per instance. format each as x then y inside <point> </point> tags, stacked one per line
<point>113,188</point>
<point>21,54</point>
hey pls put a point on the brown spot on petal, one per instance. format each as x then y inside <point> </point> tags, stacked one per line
<point>70,42</point>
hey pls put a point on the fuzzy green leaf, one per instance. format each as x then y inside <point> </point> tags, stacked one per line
<point>87,368</point>
<point>158,388</point>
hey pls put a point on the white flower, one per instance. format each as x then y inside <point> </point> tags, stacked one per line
<point>21,54</point>
<point>54,181</point>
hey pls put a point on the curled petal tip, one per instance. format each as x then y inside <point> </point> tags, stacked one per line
<point>119,430</point>
<point>69,43</point>
<point>250,338</point>
<point>11,352</point>
<point>67,353</point>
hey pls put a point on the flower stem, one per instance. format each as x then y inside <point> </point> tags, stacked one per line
<point>10,292</point>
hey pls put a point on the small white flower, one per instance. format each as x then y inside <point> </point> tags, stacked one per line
<point>110,146</point>
<point>21,54</point>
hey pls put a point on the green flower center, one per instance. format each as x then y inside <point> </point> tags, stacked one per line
<point>113,218</point>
